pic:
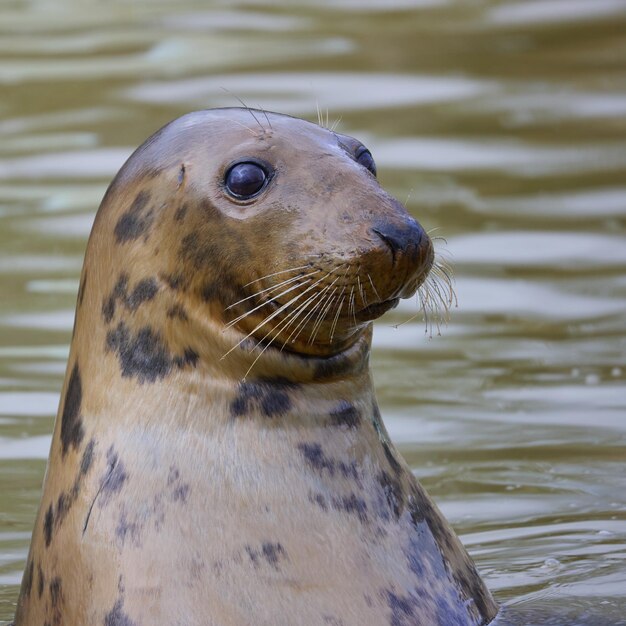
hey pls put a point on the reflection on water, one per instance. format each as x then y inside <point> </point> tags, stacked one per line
<point>501,123</point>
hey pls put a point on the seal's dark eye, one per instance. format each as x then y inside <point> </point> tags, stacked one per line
<point>244,180</point>
<point>365,158</point>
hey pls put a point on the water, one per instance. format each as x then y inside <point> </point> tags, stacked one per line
<point>503,125</point>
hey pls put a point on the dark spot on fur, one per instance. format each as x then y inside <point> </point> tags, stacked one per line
<point>136,221</point>
<point>177,312</point>
<point>41,581</point>
<point>181,493</point>
<point>316,459</point>
<point>272,553</point>
<point>190,357</point>
<point>56,601</point>
<point>63,507</point>
<point>117,617</point>
<point>144,355</point>
<point>56,515</point>
<point>351,504</point>
<point>71,424</point>
<point>450,614</point>
<point>345,414</point>
<point>87,460</point>
<point>144,291</point>
<point>275,402</point>
<point>127,529</point>
<point>220,252</point>
<point>402,609</point>
<point>114,478</point>
<point>319,499</point>
<point>47,525</point>
<point>428,523</point>
<point>56,591</point>
<point>81,289</point>
<point>179,489</point>
<point>391,459</point>
<point>268,396</point>
<point>392,490</point>
<point>27,583</point>
<point>108,309</point>
<point>117,293</point>
<point>179,216</point>
<point>174,281</point>
<point>212,291</point>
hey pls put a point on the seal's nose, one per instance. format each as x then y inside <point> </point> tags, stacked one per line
<point>401,237</point>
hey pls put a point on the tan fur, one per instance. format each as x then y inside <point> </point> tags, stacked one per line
<point>189,487</point>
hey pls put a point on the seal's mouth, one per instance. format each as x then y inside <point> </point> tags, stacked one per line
<point>375,310</point>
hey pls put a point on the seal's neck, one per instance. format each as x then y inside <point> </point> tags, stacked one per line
<point>201,374</point>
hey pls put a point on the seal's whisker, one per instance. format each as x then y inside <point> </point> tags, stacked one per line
<point>434,286</point>
<point>250,130</point>
<point>443,271</point>
<point>270,317</point>
<point>410,319</point>
<point>272,288</point>
<point>291,269</point>
<point>275,313</point>
<point>306,303</point>
<point>267,117</point>
<point>328,301</point>
<point>340,299</point>
<point>361,291</point>
<point>281,326</point>
<point>442,275</point>
<point>318,296</point>
<point>245,106</point>
<point>319,113</point>
<point>334,125</point>
<point>374,288</point>
<point>322,312</point>
<point>351,306</point>
<point>272,299</point>
<point>322,315</point>
<point>439,238</point>
<point>334,326</point>
<point>319,305</point>
<point>430,303</point>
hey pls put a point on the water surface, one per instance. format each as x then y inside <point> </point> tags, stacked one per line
<point>503,127</point>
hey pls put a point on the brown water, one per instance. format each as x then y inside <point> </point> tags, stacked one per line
<point>502,123</point>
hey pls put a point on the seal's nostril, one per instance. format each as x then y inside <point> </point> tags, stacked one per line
<point>393,244</point>
<point>400,238</point>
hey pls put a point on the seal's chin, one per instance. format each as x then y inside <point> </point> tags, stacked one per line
<point>375,310</point>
